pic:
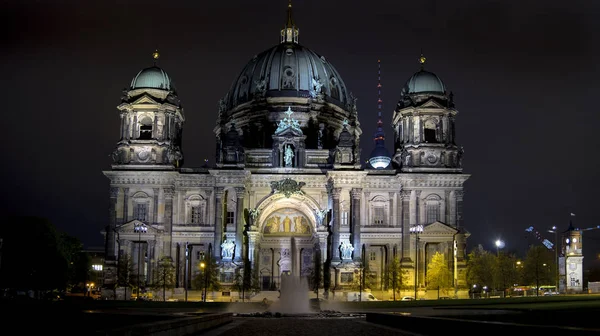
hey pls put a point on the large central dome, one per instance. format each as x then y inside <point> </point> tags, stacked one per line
<point>288,70</point>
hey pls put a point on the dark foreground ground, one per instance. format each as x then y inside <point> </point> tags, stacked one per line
<point>88,318</point>
<point>302,326</point>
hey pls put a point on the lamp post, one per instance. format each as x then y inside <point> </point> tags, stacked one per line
<point>202,267</point>
<point>499,245</point>
<point>185,271</point>
<point>139,228</point>
<point>554,230</point>
<point>416,229</point>
<point>208,269</point>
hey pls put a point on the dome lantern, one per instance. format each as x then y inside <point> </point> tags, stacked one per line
<point>289,34</point>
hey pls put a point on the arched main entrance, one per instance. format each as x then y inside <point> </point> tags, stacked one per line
<point>287,239</point>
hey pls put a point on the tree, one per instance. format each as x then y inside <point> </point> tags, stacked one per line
<point>207,276</point>
<point>480,267</point>
<point>395,276</point>
<point>164,276</point>
<point>538,266</point>
<point>505,273</point>
<point>438,273</point>
<point>126,276</point>
<point>364,275</point>
<point>316,273</point>
<point>42,261</point>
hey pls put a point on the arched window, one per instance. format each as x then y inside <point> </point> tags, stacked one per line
<point>141,206</point>
<point>432,209</point>
<point>379,211</point>
<point>195,209</point>
<point>146,128</point>
<point>430,131</point>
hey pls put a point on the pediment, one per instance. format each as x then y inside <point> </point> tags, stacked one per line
<point>432,104</point>
<point>144,100</point>
<point>289,132</point>
<point>439,228</point>
<point>129,227</point>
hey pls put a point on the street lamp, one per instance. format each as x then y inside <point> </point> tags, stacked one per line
<point>139,228</point>
<point>185,273</point>
<point>499,245</point>
<point>554,230</point>
<point>202,266</point>
<point>416,229</point>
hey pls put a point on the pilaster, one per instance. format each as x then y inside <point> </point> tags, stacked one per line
<point>218,239</point>
<point>355,195</point>
<point>239,228</point>
<point>335,194</point>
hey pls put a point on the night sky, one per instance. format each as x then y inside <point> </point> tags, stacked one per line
<point>524,76</point>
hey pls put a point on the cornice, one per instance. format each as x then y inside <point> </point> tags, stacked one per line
<point>433,180</point>
<point>141,177</point>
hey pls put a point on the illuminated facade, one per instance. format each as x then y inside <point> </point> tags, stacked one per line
<point>288,189</point>
<point>571,261</point>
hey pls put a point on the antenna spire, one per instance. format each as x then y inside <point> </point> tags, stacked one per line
<point>379,135</point>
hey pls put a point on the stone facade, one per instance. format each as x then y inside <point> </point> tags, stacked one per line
<point>288,186</point>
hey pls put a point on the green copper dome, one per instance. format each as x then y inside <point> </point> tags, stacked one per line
<point>152,78</point>
<point>424,82</point>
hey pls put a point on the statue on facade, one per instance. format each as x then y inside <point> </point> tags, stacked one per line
<point>316,87</point>
<point>407,160</point>
<point>227,249</point>
<point>347,250</point>
<point>289,155</point>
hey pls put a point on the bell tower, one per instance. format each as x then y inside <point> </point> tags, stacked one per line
<point>424,127</point>
<point>572,268</point>
<point>151,123</point>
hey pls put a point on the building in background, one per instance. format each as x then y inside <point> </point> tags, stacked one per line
<point>288,189</point>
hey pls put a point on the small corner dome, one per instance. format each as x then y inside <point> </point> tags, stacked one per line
<point>152,78</point>
<point>424,82</point>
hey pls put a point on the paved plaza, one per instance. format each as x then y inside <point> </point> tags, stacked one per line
<point>249,326</point>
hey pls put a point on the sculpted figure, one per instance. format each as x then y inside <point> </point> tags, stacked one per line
<point>289,155</point>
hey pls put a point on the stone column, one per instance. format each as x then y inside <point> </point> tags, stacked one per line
<point>168,218</point>
<point>335,194</point>
<point>391,209</point>
<point>125,205</point>
<point>413,207</point>
<point>355,194</point>
<point>459,208</point>
<point>155,206</point>
<point>112,224</point>
<point>218,238</point>
<point>252,243</point>
<point>151,259</point>
<point>452,218</point>
<point>421,207</point>
<point>239,228</point>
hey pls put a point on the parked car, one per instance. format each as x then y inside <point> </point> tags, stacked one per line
<point>407,298</point>
<point>357,296</point>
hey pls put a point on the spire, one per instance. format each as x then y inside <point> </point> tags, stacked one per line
<point>379,134</point>
<point>155,56</point>
<point>289,34</point>
<point>380,157</point>
<point>290,19</point>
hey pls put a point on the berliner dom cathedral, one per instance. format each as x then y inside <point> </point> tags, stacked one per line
<point>289,193</point>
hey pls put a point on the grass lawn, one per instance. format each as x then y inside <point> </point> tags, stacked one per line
<point>541,302</point>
